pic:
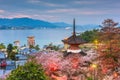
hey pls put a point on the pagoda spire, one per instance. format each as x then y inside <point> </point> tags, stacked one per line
<point>74,33</point>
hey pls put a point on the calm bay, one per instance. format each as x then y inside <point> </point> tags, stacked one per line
<point>42,36</point>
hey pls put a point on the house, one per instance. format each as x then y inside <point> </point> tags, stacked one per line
<point>2,56</point>
<point>24,51</point>
<point>2,60</point>
<point>33,51</point>
<point>21,57</point>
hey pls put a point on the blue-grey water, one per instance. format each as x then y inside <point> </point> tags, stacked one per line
<point>42,37</point>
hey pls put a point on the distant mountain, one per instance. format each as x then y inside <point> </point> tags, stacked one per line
<point>28,23</point>
<point>78,27</point>
<point>62,24</point>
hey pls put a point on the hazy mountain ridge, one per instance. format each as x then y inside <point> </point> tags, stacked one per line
<point>62,24</point>
<point>28,23</point>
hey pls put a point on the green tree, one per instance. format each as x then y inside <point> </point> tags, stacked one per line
<point>53,47</point>
<point>34,47</point>
<point>15,47</point>
<point>56,47</point>
<point>9,50</point>
<point>12,55</point>
<point>2,46</point>
<point>90,36</point>
<point>30,71</point>
<point>89,78</point>
<point>109,51</point>
<point>31,47</point>
<point>37,47</point>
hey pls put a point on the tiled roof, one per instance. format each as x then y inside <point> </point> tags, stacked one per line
<point>74,40</point>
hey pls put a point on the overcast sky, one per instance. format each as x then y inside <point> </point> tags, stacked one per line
<point>85,11</point>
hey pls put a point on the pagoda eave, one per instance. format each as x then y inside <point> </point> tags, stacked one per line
<point>70,43</point>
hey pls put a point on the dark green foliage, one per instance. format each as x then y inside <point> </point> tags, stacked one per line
<point>15,47</point>
<point>37,47</point>
<point>90,36</point>
<point>56,48</point>
<point>2,46</point>
<point>31,46</point>
<point>89,78</point>
<point>34,47</point>
<point>12,55</point>
<point>9,50</point>
<point>30,71</point>
<point>53,47</point>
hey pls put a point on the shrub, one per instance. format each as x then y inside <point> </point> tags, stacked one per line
<point>30,71</point>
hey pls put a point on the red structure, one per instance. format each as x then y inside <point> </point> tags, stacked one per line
<point>73,41</point>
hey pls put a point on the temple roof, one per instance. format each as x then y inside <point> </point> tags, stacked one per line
<point>30,37</point>
<point>74,39</point>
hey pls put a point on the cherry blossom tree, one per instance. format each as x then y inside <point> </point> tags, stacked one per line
<point>109,50</point>
<point>59,67</point>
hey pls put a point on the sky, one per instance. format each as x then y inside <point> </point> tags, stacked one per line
<point>84,11</point>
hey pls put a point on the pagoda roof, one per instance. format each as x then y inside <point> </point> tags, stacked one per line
<point>30,37</point>
<point>74,40</point>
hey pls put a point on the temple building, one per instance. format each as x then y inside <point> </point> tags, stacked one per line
<point>66,46</point>
<point>31,41</point>
<point>73,42</point>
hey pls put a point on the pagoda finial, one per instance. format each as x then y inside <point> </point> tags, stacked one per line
<point>74,33</point>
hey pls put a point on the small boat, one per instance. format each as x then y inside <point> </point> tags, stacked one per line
<point>67,28</point>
